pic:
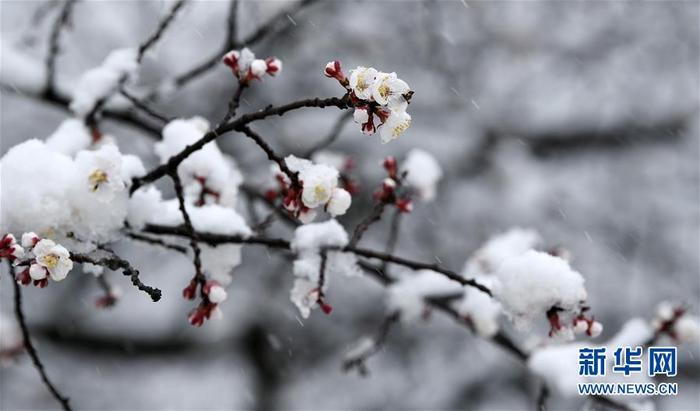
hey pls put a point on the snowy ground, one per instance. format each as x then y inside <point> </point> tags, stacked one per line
<point>623,199</point>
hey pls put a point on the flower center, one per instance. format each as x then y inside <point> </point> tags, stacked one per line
<point>50,261</point>
<point>401,127</point>
<point>384,90</point>
<point>96,178</point>
<point>320,192</point>
<point>361,83</point>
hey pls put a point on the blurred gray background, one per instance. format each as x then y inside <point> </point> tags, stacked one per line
<point>578,119</point>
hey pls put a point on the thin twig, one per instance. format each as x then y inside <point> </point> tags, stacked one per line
<point>275,24</point>
<point>157,242</point>
<point>114,262</point>
<point>62,21</point>
<point>191,233</point>
<point>332,135</point>
<point>158,33</point>
<point>362,227</point>
<point>29,346</point>
<point>239,124</point>
<point>143,106</point>
<point>378,342</point>
<point>393,238</point>
<point>91,117</point>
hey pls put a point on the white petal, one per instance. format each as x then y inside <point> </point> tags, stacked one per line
<point>37,272</point>
<point>339,203</point>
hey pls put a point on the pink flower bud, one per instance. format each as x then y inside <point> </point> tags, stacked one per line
<point>190,291</point>
<point>390,166</point>
<point>274,66</point>
<point>231,59</point>
<point>333,70</point>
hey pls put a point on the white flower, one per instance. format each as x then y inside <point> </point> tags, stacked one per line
<point>55,258</point>
<point>102,171</point>
<point>217,294</point>
<point>319,182</point>
<point>29,239</point>
<point>388,88</point>
<point>361,80</point>
<point>424,173</point>
<point>395,125</point>
<point>339,202</point>
<point>37,272</point>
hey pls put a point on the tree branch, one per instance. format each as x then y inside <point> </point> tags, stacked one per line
<point>29,347</point>
<point>114,262</point>
<point>54,48</point>
<point>238,125</point>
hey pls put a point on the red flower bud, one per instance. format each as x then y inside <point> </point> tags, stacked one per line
<point>190,291</point>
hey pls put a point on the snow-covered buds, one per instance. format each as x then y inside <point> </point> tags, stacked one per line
<point>378,98</point>
<point>46,259</point>
<point>213,294</point>
<point>391,191</point>
<point>675,322</point>
<point>313,186</point>
<point>246,67</point>
<point>583,324</point>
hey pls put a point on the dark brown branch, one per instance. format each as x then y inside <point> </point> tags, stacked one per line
<point>393,238</point>
<point>29,346</point>
<point>191,233</point>
<point>542,398</point>
<point>231,25</point>
<point>332,135</point>
<point>63,103</point>
<point>114,262</point>
<point>143,106</point>
<point>157,242</point>
<point>359,362</point>
<point>237,125</point>
<point>91,117</point>
<point>274,24</point>
<point>215,239</point>
<point>62,21</point>
<point>158,33</point>
<point>234,103</point>
<point>362,227</point>
<point>271,155</point>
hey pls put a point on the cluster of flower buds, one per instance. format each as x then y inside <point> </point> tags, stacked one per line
<point>391,190</point>
<point>246,67</point>
<point>205,192</point>
<point>10,249</point>
<point>579,324</point>
<point>590,326</point>
<point>675,322</point>
<point>46,259</point>
<point>212,293</point>
<point>315,186</point>
<point>375,96</point>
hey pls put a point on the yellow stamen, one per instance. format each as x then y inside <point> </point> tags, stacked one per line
<point>96,178</point>
<point>320,192</point>
<point>50,261</point>
<point>401,127</point>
